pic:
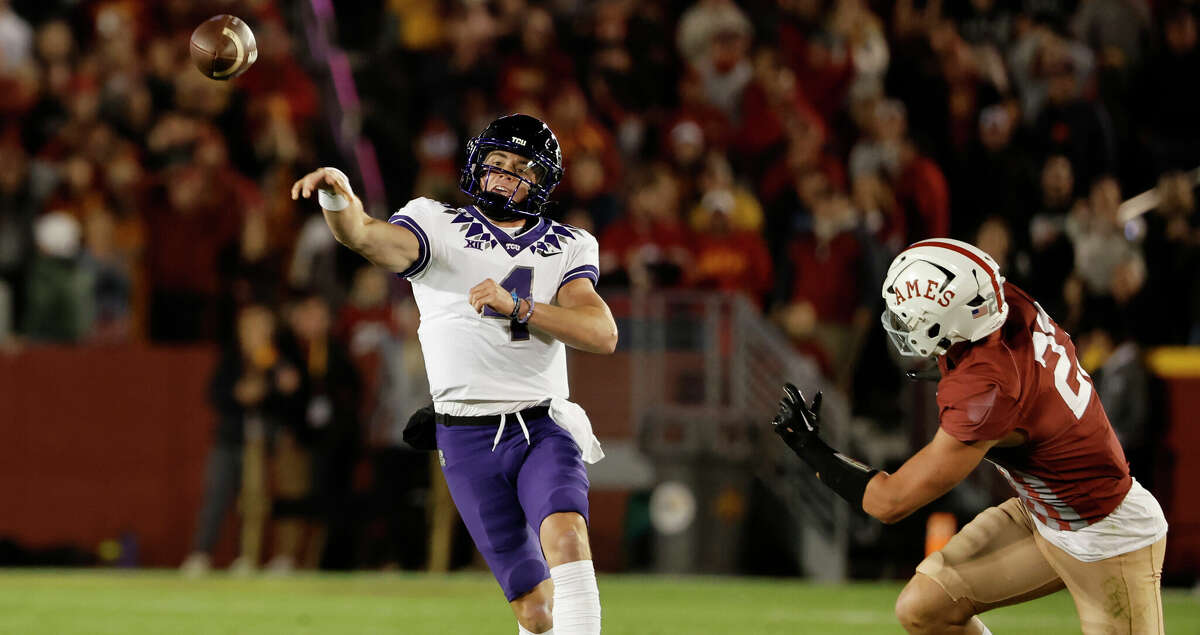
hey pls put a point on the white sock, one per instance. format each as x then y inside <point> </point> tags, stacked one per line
<point>576,598</point>
<point>521,631</point>
<point>978,624</point>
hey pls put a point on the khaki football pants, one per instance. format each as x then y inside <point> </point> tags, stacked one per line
<point>999,559</point>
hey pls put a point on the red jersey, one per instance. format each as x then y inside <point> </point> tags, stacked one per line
<point>1071,471</point>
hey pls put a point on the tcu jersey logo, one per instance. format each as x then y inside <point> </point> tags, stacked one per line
<point>928,289</point>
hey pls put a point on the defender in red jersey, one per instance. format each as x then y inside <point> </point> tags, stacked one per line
<point>1012,392</point>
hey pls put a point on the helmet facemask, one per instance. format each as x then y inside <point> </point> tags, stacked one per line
<point>540,172</point>
<point>514,195</point>
<point>901,332</point>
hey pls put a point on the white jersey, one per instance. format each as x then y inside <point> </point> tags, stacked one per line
<point>488,358</point>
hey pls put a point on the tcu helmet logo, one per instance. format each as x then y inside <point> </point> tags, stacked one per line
<point>918,288</point>
<point>519,141</point>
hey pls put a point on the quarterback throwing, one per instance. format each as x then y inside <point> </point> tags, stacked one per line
<point>500,291</point>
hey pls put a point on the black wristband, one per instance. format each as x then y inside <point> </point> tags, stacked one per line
<point>516,312</point>
<point>845,476</point>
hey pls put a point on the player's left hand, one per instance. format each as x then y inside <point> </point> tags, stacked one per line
<point>489,293</point>
<point>797,421</point>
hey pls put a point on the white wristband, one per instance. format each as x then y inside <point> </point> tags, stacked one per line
<point>329,198</point>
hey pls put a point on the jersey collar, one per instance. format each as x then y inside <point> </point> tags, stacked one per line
<point>512,245</point>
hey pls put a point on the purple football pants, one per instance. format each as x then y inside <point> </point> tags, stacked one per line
<point>504,495</point>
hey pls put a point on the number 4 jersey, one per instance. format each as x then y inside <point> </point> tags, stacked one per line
<point>1070,472</point>
<point>488,357</point>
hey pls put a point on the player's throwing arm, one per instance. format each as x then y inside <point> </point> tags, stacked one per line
<point>386,245</point>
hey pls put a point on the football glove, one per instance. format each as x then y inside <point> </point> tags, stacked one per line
<point>796,422</point>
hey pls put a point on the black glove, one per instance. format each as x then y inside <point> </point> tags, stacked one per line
<point>421,430</point>
<point>797,423</point>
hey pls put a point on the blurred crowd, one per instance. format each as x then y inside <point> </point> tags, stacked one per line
<point>783,149</point>
<point>787,149</point>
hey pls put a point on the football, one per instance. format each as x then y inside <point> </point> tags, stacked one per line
<point>223,47</point>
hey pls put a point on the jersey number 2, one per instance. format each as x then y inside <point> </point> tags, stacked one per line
<point>519,279</point>
<point>1043,338</point>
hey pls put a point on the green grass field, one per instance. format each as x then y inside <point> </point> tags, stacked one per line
<point>33,602</point>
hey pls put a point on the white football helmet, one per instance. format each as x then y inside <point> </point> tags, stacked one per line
<point>939,292</point>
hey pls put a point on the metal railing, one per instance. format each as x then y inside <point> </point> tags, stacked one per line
<point>706,372</point>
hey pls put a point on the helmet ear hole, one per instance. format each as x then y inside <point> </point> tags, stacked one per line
<point>934,330</point>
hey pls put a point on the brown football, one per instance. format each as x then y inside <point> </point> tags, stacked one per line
<point>223,47</point>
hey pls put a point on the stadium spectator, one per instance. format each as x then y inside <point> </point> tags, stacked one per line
<point>1050,252</point>
<point>435,149</point>
<point>997,176</point>
<point>624,71</point>
<point>586,201</point>
<point>824,67</point>
<point>329,434</point>
<point>314,261</point>
<point>714,38</point>
<point>1041,55</point>
<point>694,126</point>
<point>185,232</point>
<point>537,65</point>
<point>862,33</point>
<point>17,211</point>
<point>1072,126</point>
<point>717,182</point>
<point>581,133</point>
<point>921,193</point>
<point>387,352</point>
<point>59,304</point>
<point>773,110</point>
<point>649,245</point>
<point>1172,251</point>
<point>730,253</point>
<point>702,22</point>
<point>252,391</point>
<point>826,293</point>
<point>111,272</point>
<point>1166,105</point>
<point>1099,237</point>
<point>984,22</point>
<point>251,270</point>
<point>881,216</point>
<point>995,239</point>
<point>16,38</point>
<point>878,151</point>
<point>1118,30</point>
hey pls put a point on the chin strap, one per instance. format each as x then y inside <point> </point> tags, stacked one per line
<point>924,374</point>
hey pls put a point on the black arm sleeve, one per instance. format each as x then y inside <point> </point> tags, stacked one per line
<point>845,476</point>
